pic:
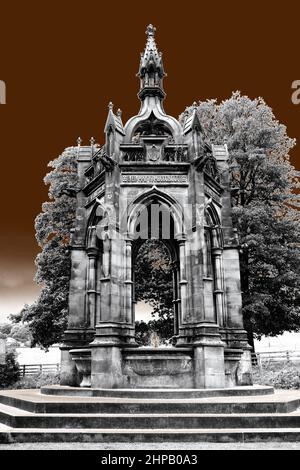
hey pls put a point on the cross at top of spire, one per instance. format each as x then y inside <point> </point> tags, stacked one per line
<point>151,56</point>
<point>150,31</point>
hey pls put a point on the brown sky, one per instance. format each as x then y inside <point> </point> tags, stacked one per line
<point>62,62</point>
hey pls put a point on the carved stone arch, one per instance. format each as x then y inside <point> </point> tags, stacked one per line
<point>165,199</point>
<point>110,136</point>
<point>97,214</point>
<point>211,214</point>
<point>213,224</point>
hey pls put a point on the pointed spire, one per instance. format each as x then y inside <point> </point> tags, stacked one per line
<point>151,69</point>
<point>151,51</point>
<point>191,118</point>
<point>114,121</point>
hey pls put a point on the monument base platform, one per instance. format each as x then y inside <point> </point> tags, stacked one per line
<point>247,415</point>
<point>156,393</point>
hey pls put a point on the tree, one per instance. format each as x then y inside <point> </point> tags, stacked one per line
<point>9,372</point>
<point>47,317</point>
<point>142,333</point>
<point>21,333</point>
<point>5,329</point>
<point>153,277</point>
<point>265,212</point>
<point>265,209</point>
<point>154,285</point>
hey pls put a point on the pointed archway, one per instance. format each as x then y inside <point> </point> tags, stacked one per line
<point>152,221</point>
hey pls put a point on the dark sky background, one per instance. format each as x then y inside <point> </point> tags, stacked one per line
<point>62,63</point>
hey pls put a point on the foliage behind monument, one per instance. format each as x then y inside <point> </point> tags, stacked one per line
<point>265,213</point>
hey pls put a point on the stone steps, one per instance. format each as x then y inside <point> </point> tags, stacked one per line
<point>13,418</point>
<point>30,416</point>
<point>34,402</point>
<point>58,390</point>
<point>148,436</point>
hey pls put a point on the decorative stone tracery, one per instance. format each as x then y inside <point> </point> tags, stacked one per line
<point>154,161</point>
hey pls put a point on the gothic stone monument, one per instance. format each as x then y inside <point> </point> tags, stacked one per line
<point>154,174</point>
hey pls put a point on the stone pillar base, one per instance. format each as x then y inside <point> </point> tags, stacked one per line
<point>237,356</point>
<point>74,338</point>
<point>106,367</point>
<point>209,366</point>
<point>68,371</point>
<point>244,370</point>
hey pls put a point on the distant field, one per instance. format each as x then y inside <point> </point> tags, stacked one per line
<point>286,341</point>
<point>38,356</point>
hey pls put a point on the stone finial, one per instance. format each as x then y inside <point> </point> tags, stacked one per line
<point>119,112</point>
<point>79,141</point>
<point>150,31</point>
<point>92,141</point>
<point>110,106</point>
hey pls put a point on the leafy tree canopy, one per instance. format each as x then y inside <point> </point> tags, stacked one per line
<point>265,212</point>
<point>154,285</point>
<point>265,203</point>
<point>153,278</point>
<point>47,317</point>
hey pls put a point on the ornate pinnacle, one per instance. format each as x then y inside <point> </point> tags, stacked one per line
<point>150,31</point>
<point>92,141</point>
<point>110,105</point>
<point>79,140</point>
<point>119,112</point>
<point>151,69</point>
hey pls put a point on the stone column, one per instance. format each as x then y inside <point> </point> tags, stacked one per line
<point>129,314</point>
<point>91,284</point>
<point>77,334</point>
<point>208,346</point>
<point>176,300</point>
<point>115,329</point>
<point>182,282</point>
<point>218,278</point>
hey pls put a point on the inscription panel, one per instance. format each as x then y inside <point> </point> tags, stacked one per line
<point>154,179</point>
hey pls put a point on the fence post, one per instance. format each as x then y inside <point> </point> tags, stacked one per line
<point>259,363</point>
<point>288,356</point>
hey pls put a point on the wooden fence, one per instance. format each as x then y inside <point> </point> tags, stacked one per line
<point>35,369</point>
<point>268,357</point>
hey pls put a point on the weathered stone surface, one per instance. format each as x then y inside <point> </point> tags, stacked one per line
<point>155,161</point>
<point>28,416</point>
<point>106,367</point>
